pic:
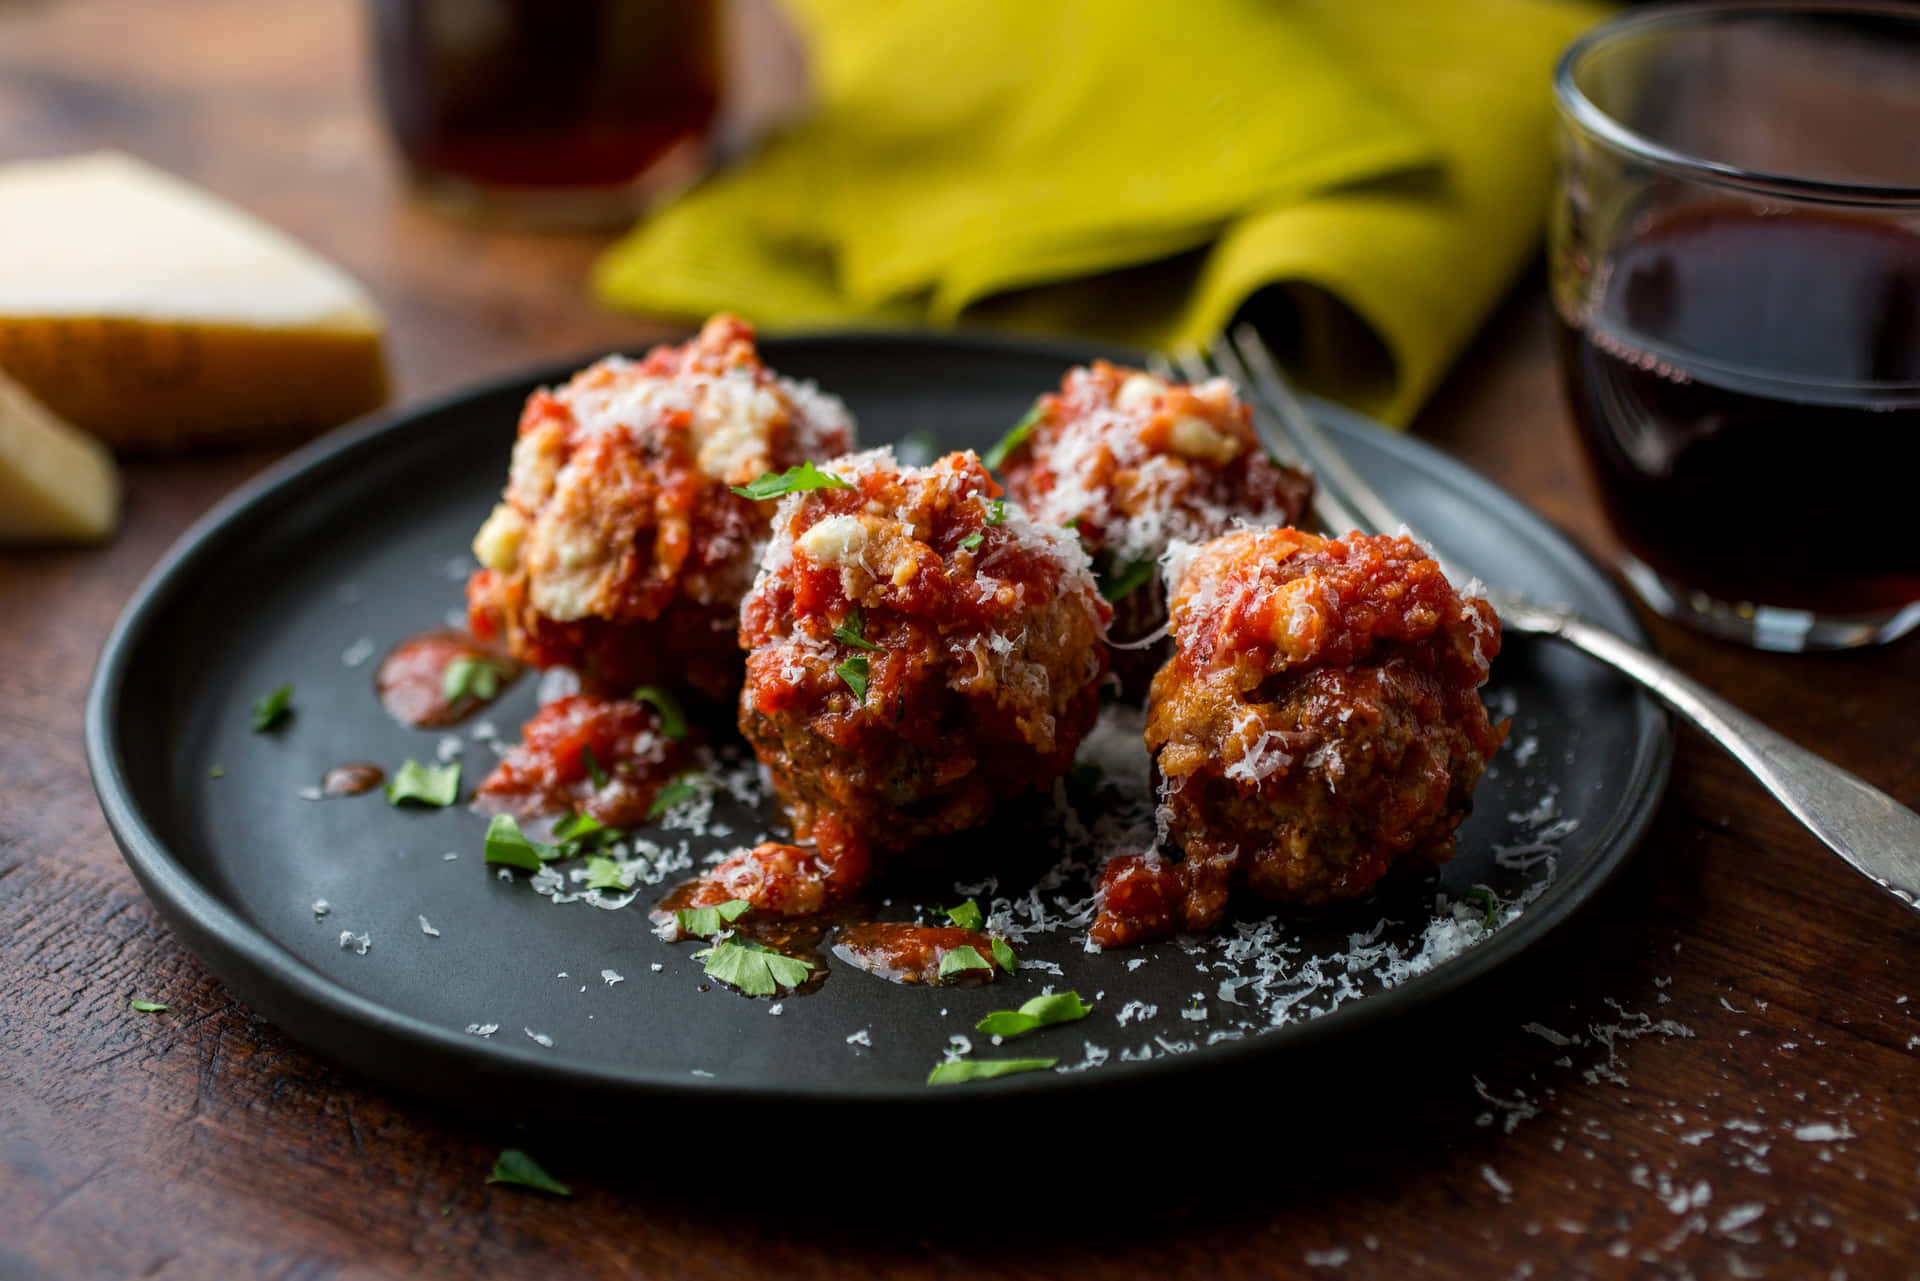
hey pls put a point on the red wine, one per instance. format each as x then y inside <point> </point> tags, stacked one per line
<point>1747,387</point>
<point>547,93</point>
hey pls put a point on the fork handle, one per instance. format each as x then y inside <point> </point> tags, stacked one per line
<point>1874,833</point>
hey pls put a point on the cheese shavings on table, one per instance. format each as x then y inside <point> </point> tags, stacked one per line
<point>56,484</point>
<point>155,316</point>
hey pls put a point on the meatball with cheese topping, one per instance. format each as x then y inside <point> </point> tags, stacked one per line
<point>919,651</point>
<point>1319,723</point>
<point>1133,462</point>
<point>620,549</point>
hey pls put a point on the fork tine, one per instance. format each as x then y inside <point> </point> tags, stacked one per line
<point>1193,366</point>
<point>1329,464</point>
<point>1330,510</point>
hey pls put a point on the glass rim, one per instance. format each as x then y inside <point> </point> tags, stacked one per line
<point>1596,123</point>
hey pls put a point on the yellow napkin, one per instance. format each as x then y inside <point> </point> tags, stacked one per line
<point>1364,176</point>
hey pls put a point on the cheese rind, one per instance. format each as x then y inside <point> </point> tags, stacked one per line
<point>57,484</point>
<point>156,316</point>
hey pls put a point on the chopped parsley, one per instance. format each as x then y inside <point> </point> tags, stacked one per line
<point>577,832</point>
<point>997,512</point>
<point>270,710</point>
<point>425,784</point>
<point>1123,581</point>
<point>1016,437</point>
<point>972,541</point>
<point>958,1071</point>
<point>508,845</point>
<point>1483,896</point>
<point>469,676</point>
<point>1004,958</point>
<point>705,922</point>
<point>605,874</point>
<point>854,673</point>
<point>516,1167</point>
<point>673,721</point>
<point>218,771</point>
<point>684,787</point>
<point>956,961</point>
<point>755,970</point>
<point>594,772</point>
<point>148,1007</point>
<point>854,632</point>
<point>1041,1011</point>
<point>791,481</point>
<point>966,916</point>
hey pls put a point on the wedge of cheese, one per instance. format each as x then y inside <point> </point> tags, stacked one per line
<point>57,484</point>
<point>155,316</point>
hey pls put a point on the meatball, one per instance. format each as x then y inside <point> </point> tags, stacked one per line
<point>620,549</point>
<point>1132,462</point>
<point>919,650</point>
<point>1320,722</point>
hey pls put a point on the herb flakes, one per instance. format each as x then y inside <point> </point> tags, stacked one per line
<point>516,1167</point>
<point>793,480</point>
<point>436,785</point>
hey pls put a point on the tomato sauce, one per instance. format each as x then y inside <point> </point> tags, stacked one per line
<point>352,779</point>
<point>604,757</point>
<point>412,679</point>
<point>911,954</point>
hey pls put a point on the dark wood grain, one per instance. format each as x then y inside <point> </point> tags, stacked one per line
<point>1737,986</point>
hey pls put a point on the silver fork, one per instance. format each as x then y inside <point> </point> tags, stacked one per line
<point>1875,834</point>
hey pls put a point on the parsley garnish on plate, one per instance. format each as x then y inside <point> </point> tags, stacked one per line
<point>605,874</point>
<point>755,970</point>
<point>1041,1011</point>
<point>1128,577</point>
<point>854,632</point>
<point>516,1167</point>
<point>791,481</point>
<point>956,1071</point>
<point>966,916</point>
<point>1003,956</point>
<point>594,772</point>
<point>854,673</point>
<point>956,961</point>
<point>148,1007</point>
<point>972,541</point>
<point>582,831</point>
<point>673,721</point>
<point>1016,437</point>
<point>269,710</point>
<point>467,675</point>
<point>1484,897</point>
<point>508,846</point>
<point>997,512</point>
<point>218,771</point>
<point>684,787</point>
<point>425,784</point>
<point>705,922</point>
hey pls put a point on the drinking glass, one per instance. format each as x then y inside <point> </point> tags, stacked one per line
<point>1735,267</point>
<point>556,113</point>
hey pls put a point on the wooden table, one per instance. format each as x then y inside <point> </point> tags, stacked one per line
<point>1738,1002</point>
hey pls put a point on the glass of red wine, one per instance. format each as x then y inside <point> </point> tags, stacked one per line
<point>551,113</point>
<point>1735,258</point>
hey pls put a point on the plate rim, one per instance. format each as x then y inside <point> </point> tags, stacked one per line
<point>225,942</point>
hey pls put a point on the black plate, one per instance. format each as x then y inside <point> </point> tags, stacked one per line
<point>364,535</point>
